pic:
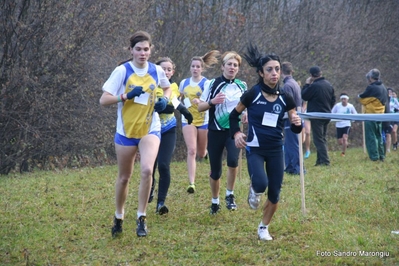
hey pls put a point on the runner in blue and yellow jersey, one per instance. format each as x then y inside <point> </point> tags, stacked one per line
<point>195,135</point>
<point>132,85</point>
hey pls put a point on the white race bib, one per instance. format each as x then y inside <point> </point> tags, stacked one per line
<point>187,102</point>
<point>269,119</point>
<point>175,102</point>
<point>142,99</point>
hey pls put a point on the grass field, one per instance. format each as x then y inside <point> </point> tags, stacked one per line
<point>64,218</point>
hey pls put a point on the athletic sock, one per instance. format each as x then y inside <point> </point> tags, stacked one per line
<point>140,214</point>
<point>215,201</point>
<point>229,192</point>
<point>119,216</point>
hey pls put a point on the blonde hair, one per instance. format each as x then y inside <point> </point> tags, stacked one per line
<point>231,55</point>
<point>208,60</point>
<point>166,59</point>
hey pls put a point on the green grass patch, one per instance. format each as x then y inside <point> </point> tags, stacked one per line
<point>65,218</point>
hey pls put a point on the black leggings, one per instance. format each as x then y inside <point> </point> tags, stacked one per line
<point>166,148</point>
<point>269,176</point>
<point>217,141</point>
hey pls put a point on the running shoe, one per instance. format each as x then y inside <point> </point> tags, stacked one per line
<point>215,208</point>
<point>141,226</point>
<point>254,198</point>
<point>191,188</point>
<point>161,208</point>
<point>230,203</point>
<point>263,233</point>
<point>117,228</point>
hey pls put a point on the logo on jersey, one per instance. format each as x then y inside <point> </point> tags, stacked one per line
<point>260,102</point>
<point>277,108</point>
<point>152,87</point>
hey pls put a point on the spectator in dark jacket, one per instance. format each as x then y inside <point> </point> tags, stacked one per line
<point>320,96</point>
<point>375,101</point>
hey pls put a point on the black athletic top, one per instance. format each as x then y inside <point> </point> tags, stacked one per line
<point>265,119</point>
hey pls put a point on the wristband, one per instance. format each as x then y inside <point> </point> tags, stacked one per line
<point>122,99</point>
<point>210,103</point>
<point>296,129</point>
<point>119,99</point>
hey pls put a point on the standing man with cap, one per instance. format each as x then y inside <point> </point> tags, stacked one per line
<point>291,142</point>
<point>375,101</point>
<point>320,96</point>
<point>343,126</point>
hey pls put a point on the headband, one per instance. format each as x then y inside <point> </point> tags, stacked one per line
<point>344,97</point>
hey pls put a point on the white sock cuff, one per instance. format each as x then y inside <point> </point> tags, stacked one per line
<point>120,215</point>
<point>215,201</point>
<point>140,214</point>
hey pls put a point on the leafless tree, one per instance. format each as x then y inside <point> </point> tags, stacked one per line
<point>55,56</point>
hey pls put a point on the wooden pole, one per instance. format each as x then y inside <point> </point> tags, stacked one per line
<point>240,157</point>
<point>364,135</point>
<point>302,174</point>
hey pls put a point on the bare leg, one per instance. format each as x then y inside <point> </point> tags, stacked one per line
<point>125,157</point>
<point>190,137</point>
<point>268,211</point>
<point>148,146</point>
<point>202,142</point>
<point>307,135</point>
<point>231,177</point>
<point>340,141</point>
<point>344,143</point>
<point>388,142</point>
<point>395,134</point>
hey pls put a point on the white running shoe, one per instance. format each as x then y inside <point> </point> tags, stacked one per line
<point>263,233</point>
<point>254,198</point>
